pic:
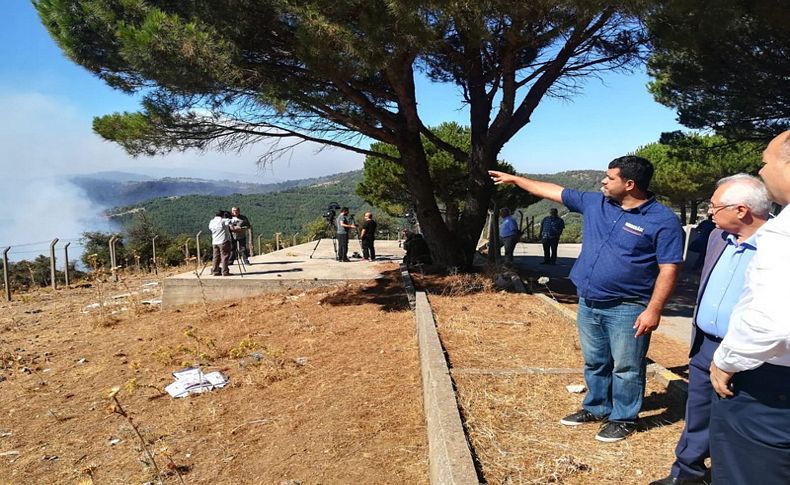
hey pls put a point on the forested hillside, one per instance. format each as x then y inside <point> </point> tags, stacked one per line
<point>114,191</point>
<point>285,211</point>
<point>289,210</point>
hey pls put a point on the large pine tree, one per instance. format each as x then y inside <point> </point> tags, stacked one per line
<point>227,73</point>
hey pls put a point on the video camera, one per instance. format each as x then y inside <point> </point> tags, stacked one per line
<point>331,212</point>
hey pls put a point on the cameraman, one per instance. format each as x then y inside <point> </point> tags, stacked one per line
<point>343,226</point>
<point>220,227</point>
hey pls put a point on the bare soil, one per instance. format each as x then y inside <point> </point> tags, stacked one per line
<point>324,388</point>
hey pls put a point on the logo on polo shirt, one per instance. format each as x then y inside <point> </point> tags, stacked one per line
<point>634,229</point>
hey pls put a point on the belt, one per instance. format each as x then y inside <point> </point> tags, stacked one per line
<point>710,336</point>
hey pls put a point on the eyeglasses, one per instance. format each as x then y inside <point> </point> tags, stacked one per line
<point>715,209</point>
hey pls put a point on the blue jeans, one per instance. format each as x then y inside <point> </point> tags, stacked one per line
<point>614,361</point>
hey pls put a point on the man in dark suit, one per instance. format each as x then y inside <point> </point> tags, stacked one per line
<point>739,207</point>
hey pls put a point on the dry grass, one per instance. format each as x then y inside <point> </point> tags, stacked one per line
<point>513,424</point>
<point>503,330</point>
<point>513,420</point>
<point>331,394</point>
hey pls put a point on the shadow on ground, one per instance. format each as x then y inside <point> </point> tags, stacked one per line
<point>386,291</point>
<point>673,410</point>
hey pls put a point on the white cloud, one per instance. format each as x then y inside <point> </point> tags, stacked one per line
<point>44,139</point>
<point>48,136</point>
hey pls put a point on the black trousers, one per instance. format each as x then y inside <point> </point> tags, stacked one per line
<point>368,251</point>
<point>694,444</point>
<point>342,247</point>
<point>550,250</point>
<point>750,432</point>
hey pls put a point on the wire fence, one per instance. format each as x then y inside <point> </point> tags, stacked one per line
<point>195,248</point>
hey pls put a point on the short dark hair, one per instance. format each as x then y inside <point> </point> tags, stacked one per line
<point>504,212</point>
<point>220,214</point>
<point>638,169</point>
<point>344,209</point>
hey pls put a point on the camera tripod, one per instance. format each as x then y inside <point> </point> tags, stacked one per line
<point>333,231</point>
<point>240,258</point>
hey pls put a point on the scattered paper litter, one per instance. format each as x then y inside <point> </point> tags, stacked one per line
<point>151,302</point>
<point>90,307</point>
<point>576,388</point>
<point>193,381</point>
<point>9,453</point>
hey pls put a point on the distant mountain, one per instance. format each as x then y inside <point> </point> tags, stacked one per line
<point>115,176</point>
<point>583,180</point>
<point>113,189</point>
<point>285,211</point>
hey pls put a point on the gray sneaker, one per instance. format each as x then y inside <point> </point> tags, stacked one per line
<point>615,431</point>
<point>581,417</point>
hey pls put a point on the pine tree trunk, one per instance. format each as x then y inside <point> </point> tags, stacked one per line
<point>683,214</point>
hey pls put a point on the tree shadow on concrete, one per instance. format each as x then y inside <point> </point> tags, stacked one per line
<point>386,291</point>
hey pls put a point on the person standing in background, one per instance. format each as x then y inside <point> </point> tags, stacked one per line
<point>367,237</point>
<point>508,233</point>
<point>551,228</point>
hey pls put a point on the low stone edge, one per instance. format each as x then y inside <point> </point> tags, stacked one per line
<point>450,457</point>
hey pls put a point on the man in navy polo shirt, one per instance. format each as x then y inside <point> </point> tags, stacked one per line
<point>627,268</point>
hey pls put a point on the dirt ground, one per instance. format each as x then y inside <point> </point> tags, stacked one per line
<point>513,419</point>
<point>324,388</point>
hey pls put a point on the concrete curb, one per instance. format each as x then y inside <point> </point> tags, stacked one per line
<point>449,456</point>
<point>408,285</point>
<point>675,384</point>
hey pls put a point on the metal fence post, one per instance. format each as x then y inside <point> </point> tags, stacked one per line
<point>250,246</point>
<point>153,247</point>
<point>52,271</point>
<point>5,274</point>
<point>197,249</point>
<point>260,250</point>
<point>276,241</point>
<point>66,263</point>
<point>186,251</point>
<point>295,239</point>
<point>113,259</point>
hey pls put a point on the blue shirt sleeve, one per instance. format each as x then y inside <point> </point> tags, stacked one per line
<point>576,201</point>
<point>669,242</point>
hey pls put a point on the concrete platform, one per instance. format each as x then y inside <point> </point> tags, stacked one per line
<point>288,268</point>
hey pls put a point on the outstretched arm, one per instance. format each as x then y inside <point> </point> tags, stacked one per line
<point>544,190</point>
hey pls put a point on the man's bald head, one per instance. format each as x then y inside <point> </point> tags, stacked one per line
<point>776,168</point>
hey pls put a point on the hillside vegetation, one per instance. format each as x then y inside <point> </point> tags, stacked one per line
<point>114,190</point>
<point>288,211</point>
